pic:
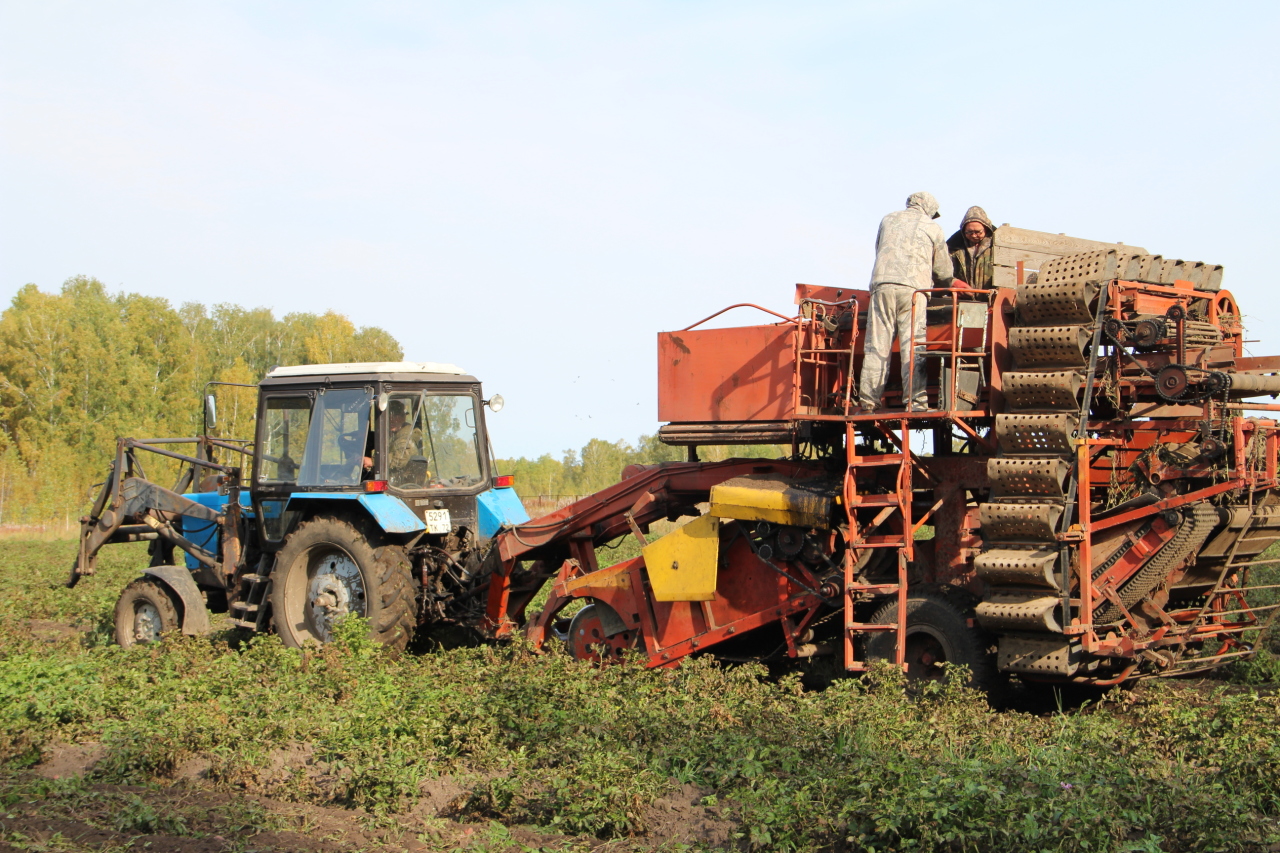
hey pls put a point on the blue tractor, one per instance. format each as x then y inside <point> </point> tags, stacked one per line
<point>370,491</point>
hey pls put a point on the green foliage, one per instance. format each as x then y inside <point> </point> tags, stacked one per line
<point>82,367</point>
<point>1268,600</point>
<point>546,740</point>
<point>600,463</point>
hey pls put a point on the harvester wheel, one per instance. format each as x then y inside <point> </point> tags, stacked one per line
<point>328,570</point>
<point>144,612</point>
<point>594,634</point>
<point>939,631</point>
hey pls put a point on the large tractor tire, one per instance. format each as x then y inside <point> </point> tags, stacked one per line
<point>939,631</point>
<point>328,570</point>
<point>145,611</point>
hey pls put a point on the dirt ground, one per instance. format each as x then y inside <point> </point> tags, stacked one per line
<point>188,816</point>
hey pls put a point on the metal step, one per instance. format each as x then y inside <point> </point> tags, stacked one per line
<point>870,461</point>
<point>873,588</point>
<point>875,500</point>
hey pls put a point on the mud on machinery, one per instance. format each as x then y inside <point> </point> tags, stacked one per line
<point>1097,495</point>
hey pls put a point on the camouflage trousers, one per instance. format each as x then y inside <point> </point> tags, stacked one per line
<point>891,312</point>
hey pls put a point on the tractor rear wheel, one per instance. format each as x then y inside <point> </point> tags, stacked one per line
<point>594,634</point>
<point>144,612</point>
<point>939,631</point>
<point>328,570</point>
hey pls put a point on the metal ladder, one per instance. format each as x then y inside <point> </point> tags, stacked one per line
<point>860,538</point>
<point>249,609</point>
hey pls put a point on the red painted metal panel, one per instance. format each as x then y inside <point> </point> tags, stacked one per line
<point>739,374</point>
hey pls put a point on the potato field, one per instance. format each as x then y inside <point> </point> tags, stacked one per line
<point>222,743</point>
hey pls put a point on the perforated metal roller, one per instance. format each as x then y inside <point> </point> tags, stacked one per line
<point>1053,391</point>
<point>1054,303</point>
<point>1037,434</point>
<point>1027,478</point>
<point>1049,346</point>
<point>1026,566</point>
<point>1019,522</point>
<point>1098,266</point>
<point>1019,611</point>
<point>1043,654</point>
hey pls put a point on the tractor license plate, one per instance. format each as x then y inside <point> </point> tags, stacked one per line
<point>437,521</point>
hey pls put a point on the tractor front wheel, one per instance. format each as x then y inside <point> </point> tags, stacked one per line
<point>144,612</point>
<point>328,570</point>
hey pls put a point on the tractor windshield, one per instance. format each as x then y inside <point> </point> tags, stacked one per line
<point>432,441</point>
<point>338,441</point>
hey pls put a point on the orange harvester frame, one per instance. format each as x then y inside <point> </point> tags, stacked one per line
<point>1160,454</point>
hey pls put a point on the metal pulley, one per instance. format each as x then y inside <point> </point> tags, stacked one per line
<point>1175,383</point>
<point>1149,332</point>
<point>1172,381</point>
<point>1115,329</point>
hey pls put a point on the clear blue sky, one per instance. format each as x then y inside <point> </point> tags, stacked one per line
<point>533,190</point>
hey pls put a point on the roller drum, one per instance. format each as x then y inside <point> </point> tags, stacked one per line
<point>1018,477</point>
<point>1020,611</point>
<point>1252,384</point>
<point>1050,434</point>
<point>1042,655</point>
<point>1054,391</point>
<point>1019,567</point>
<point>1056,303</point>
<point>1049,346</point>
<point>1019,522</point>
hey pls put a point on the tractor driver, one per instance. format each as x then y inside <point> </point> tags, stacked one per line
<point>911,255</point>
<point>403,444</point>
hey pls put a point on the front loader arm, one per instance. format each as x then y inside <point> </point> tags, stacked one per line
<point>131,508</point>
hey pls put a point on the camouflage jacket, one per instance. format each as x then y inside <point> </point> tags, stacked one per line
<point>911,249</point>
<point>402,446</point>
<point>975,267</point>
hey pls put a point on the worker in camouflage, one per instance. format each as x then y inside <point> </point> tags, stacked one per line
<point>911,255</point>
<point>972,255</point>
<point>403,444</point>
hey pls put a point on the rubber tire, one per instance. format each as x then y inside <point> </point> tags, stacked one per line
<point>940,624</point>
<point>142,592</point>
<point>390,600</point>
<point>587,639</point>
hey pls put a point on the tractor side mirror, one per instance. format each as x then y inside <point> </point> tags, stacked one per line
<point>210,412</point>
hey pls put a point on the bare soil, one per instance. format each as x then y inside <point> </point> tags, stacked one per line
<point>194,817</point>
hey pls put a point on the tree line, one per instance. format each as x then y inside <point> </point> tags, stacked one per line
<point>600,464</point>
<point>82,367</point>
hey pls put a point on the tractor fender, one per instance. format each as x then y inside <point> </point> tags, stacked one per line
<point>195,617</point>
<point>387,511</point>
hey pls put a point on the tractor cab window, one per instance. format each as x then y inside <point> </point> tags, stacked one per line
<point>284,438</point>
<point>338,438</point>
<point>432,441</point>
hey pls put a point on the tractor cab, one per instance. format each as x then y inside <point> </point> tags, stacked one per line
<point>405,440</point>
